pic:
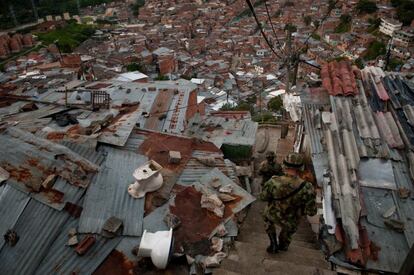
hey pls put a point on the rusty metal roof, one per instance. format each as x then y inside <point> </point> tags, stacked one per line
<point>108,194</point>
<point>37,228</point>
<point>30,159</point>
<point>62,259</point>
<point>12,204</point>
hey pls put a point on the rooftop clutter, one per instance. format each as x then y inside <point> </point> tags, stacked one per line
<point>361,149</point>
<point>73,185</point>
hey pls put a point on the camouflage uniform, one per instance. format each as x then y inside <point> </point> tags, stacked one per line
<point>269,167</point>
<point>286,213</point>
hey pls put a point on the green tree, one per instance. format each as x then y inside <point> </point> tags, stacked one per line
<point>366,6</point>
<point>138,4</point>
<point>162,77</point>
<point>275,104</point>
<point>307,20</point>
<point>291,27</point>
<point>344,24</point>
<point>359,63</point>
<point>405,10</point>
<point>132,67</point>
<point>228,107</point>
<point>375,49</point>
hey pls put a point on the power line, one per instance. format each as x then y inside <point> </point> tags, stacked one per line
<point>259,25</point>
<point>196,104</point>
<point>330,8</point>
<point>273,28</point>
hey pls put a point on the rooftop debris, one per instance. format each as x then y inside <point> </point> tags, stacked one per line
<point>84,245</point>
<point>359,148</point>
<point>111,227</point>
<point>4,175</point>
<point>212,203</point>
<point>11,237</point>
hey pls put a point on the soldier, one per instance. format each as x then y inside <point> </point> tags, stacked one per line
<point>270,167</point>
<point>289,197</point>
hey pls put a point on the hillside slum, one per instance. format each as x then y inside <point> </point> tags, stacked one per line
<point>358,130</point>
<point>69,157</point>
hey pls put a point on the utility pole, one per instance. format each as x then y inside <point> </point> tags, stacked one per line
<point>289,57</point>
<point>36,15</point>
<point>387,58</point>
<point>296,67</point>
<point>13,15</point>
<point>78,6</point>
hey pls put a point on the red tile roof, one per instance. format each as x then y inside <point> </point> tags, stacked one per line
<point>338,78</point>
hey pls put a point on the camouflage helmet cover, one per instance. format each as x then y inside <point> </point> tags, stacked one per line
<point>293,160</point>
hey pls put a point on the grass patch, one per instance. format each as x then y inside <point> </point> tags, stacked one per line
<point>266,117</point>
<point>132,67</point>
<point>162,78</point>
<point>68,37</point>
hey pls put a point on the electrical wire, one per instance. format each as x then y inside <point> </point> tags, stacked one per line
<point>273,28</point>
<point>196,104</point>
<point>330,8</point>
<point>259,25</point>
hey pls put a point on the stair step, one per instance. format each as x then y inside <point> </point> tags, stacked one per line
<point>295,254</point>
<point>262,238</point>
<point>222,271</point>
<point>242,267</point>
<point>279,267</point>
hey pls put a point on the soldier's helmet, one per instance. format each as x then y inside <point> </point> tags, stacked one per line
<point>293,160</point>
<point>270,155</point>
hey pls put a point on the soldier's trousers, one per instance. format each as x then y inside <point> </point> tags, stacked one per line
<point>286,233</point>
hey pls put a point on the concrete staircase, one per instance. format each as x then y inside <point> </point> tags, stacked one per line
<point>249,254</point>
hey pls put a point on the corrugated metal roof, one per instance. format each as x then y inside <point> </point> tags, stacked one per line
<point>62,259</point>
<point>220,130</point>
<point>195,169</point>
<point>37,228</point>
<point>315,133</point>
<point>174,122</point>
<point>30,159</point>
<point>405,207</point>
<point>394,247</point>
<point>153,222</point>
<point>40,113</point>
<point>70,192</point>
<point>118,132</point>
<point>360,157</point>
<point>12,204</point>
<point>108,194</point>
<point>134,141</point>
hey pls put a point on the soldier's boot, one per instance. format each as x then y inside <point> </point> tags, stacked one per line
<point>284,242</point>
<point>283,246</point>
<point>272,248</point>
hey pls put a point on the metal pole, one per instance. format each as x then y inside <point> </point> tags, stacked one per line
<point>289,58</point>
<point>387,59</point>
